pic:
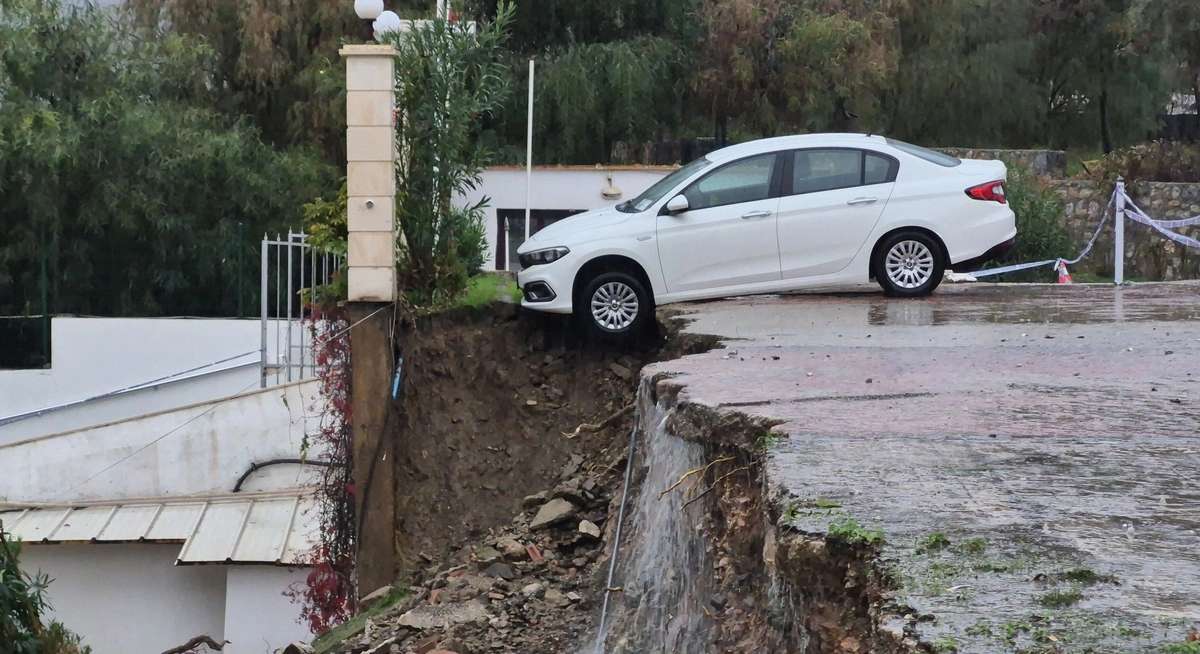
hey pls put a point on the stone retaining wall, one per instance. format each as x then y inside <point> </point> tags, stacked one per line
<point>1043,163</point>
<point>1149,256</point>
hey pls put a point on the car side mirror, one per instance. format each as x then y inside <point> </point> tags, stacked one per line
<point>677,204</point>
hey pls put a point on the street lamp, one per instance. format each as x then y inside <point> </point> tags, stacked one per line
<point>368,11</point>
<point>388,21</point>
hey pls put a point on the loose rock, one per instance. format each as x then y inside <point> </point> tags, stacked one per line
<point>588,528</point>
<point>552,513</point>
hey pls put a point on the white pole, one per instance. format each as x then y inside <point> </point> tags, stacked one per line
<point>1119,235</point>
<point>529,152</point>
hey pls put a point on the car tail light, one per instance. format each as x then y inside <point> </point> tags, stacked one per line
<point>992,191</point>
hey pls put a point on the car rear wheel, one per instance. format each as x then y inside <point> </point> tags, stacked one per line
<point>614,305</point>
<point>909,264</point>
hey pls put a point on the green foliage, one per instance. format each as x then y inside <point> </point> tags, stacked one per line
<point>934,542</point>
<point>1058,598</point>
<point>757,61</point>
<point>1189,647</point>
<point>851,532</point>
<point>1041,234</point>
<point>22,604</point>
<point>273,63</point>
<point>447,81</point>
<point>945,645</point>
<point>973,545</point>
<point>1157,161</point>
<point>117,177</point>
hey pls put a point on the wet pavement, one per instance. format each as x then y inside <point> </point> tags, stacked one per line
<point>1030,452</point>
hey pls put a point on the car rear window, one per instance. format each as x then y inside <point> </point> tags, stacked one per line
<point>932,156</point>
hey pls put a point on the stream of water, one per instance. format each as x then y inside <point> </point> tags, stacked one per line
<point>665,575</point>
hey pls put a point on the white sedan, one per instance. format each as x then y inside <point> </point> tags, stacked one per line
<point>772,215</point>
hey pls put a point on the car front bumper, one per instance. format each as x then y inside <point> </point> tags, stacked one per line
<point>549,285</point>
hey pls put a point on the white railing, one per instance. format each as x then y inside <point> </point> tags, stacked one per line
<point>290,267</point>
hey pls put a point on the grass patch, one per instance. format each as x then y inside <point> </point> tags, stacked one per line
<point>1087,577</point>
<point>980,629</point>
<point>851,532</point>
<point>973,545</point>
<point>934,542</point>
<point>1191,647</point>
<point>327,640</point>
<point>1060,598</point>
<point>946,645</point>
<point>769,439</point>
<point>485,289</point>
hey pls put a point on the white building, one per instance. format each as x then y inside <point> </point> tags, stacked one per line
<point>556,192</point>
<point>118,465</point>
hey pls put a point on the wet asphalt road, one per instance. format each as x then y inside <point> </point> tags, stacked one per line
<point>1041,429</point>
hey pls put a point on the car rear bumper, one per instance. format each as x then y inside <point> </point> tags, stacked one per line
<point>998,252</point>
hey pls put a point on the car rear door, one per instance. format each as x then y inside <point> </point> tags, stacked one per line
<point>727,236</point>
<point>830,202</point>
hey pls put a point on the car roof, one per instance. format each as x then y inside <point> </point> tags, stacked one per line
<point>796,141</point>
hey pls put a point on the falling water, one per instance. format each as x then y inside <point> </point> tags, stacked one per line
<point>665,577</point>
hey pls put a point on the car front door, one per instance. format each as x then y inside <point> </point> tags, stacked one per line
<point>831,200</point>
<point>727,235</point>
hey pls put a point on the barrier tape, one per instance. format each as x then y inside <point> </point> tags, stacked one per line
<point>1134,213</point>
<point>1169,224</point>
<point>1055,262</point>
<point>1138,216</point>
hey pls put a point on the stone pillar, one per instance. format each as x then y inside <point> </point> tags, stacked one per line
<point>370,171</point>
<point>371,191</point>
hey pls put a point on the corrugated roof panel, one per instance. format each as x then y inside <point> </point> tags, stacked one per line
<point>84,524</point>
<point>175,522</point>
<point>130,523</point>
<point>265,534</point>
<point>217,533</point>
<point>277,530</point>
<point>303,533</point>
<point>38,525</point>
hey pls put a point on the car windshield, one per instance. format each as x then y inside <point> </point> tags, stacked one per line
<point>662,187</point>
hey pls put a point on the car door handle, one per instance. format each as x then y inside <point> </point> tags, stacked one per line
<point>858,201</point>
<point>756,214</point>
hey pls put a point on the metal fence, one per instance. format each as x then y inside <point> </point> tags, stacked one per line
<point>291,268</point>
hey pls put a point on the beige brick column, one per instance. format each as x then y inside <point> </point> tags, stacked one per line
<point>371,190</point>
<point>370,171</point>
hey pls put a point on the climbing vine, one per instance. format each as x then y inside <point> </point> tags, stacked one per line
<point>327,596</point>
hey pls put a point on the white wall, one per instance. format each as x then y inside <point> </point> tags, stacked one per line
<point>91,356</point>
<point>258,617</point>
<point>193,450</point>
<point>95,356</point>
<point>130,599</point>
<point>556,187</point>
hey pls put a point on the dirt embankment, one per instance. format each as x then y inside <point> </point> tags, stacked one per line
<point>490,407</point>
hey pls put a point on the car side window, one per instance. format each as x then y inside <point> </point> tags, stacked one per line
<point>746,180</point>
<point>878,169</point>
<point>827,170</point>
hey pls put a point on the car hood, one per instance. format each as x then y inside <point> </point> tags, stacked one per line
<point>570,230</point>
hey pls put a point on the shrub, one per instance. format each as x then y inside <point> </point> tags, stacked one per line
<point>1041,233</point>
<point>22,603</point>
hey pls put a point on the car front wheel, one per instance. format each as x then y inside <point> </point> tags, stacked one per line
<point>909,264</point>
<point>615,305</point>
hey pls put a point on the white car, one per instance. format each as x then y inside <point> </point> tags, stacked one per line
<point>773,215</point>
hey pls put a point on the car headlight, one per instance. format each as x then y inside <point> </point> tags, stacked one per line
<point>539,257</point>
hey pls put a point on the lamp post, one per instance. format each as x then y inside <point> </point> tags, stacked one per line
<point>368,11</point>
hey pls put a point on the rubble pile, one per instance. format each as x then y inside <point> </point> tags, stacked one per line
<point>533,586</point>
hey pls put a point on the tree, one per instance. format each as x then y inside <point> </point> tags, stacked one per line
<point>118,187</point>
<point>448,79</point>
<point>778,66</point>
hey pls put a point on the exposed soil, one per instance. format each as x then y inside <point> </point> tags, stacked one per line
<point>491,446</point>
<point>489,401</point>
